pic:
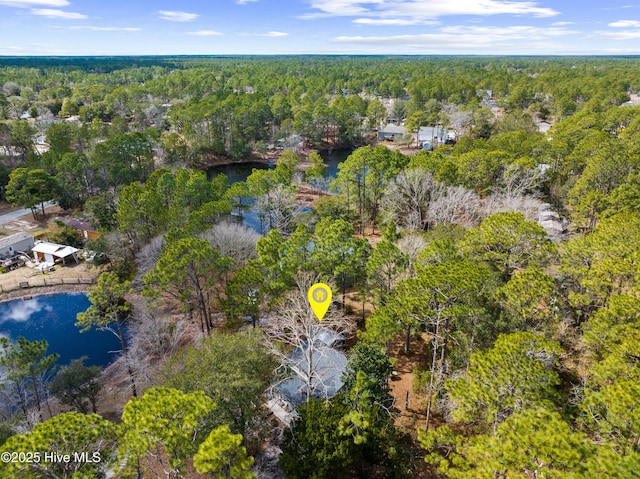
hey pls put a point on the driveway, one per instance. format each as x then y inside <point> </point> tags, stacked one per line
<point>14,215</point>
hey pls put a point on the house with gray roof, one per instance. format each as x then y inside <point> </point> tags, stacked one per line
<point>19,242</point>
<point>327,366</point>
<point>429,137</point>
<point>391,132</point>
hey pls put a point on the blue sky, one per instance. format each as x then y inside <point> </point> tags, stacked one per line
<point>143,27</point>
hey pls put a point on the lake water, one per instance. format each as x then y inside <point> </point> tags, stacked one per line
<point>237,171</point>
<point>333,158</point>
<point>240,171</point>
<point>53,318</point>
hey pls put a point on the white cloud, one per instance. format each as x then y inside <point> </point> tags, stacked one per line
<point>423,10</point>
<point>464,37</point>
<point>205,33</point>
<point>106,29</point>
<point>336,8</point>
<point>11,49</point>
<point>625,24</point>
<point>516,31</point>
<point>561,24</point>
<point>267,34</point>
<point>32,49</point>
<point>32,3</point>
<point>618,35</point>
<point>244,2</point>
<point>177,16</point>
<point>440,8</point>
<point>392,21</point>
<point>22,311</point>
<point>61,14</point>
<point>273,34</point>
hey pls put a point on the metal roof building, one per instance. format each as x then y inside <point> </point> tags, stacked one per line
<point>53,252</point>
<point>14,243</point>
<point>327,363</point>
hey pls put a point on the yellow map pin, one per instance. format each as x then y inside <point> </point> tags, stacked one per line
<point>319,296</point>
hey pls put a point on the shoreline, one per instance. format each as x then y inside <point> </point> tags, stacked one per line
<point>30,293</point>
<point>221,161</point>
<point>270,158</point>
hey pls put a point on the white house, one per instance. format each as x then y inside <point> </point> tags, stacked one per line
<point>10,245</point>
<point>429,137</point>
<point>54,253</point>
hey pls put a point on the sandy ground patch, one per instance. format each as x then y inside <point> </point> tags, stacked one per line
<point>6,208</point>
<point>10,281</point>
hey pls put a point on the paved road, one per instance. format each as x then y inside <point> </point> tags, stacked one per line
<point>18,213</point>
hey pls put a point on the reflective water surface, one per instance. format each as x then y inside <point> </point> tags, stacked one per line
<point>53,318</point>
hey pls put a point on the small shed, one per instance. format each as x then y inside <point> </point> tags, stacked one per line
<point>54,253</point>
<point>83,227</point>
<point>10,245</point>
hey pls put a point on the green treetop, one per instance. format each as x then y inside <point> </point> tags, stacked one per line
<point>509,242</point>
<point>517,373</point>
<point>66,433</point>
<point>163,425</point>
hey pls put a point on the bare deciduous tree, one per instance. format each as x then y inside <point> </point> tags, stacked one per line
<point>498,203</point>
<point>12,397</point>
<point>518,192</point>
<point>453,205</point>
<point>233,240</point>
<point>411,245</point>
<point>147,257</point>
<point>294,325</point>
<point>154,116</point>
<point>26,423</point>
<point>286,209</point>
<point>398,109</point>
<point>519,181</point>
<point>459,120</point>
<point>415,201</point>
<point>154,340</point>
<point>158,337</point>
<point>407,198</point>
<point>280,208</point>
<point>44,114</point>
<point>10,88</point>
<point>320,185</point>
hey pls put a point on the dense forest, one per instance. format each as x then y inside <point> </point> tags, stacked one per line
<point>497,273</point>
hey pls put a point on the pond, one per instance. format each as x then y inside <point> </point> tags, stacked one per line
<point>333,158</point>
<point>237,171</point>
<point>240,171</point>
<point>53,318</point>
